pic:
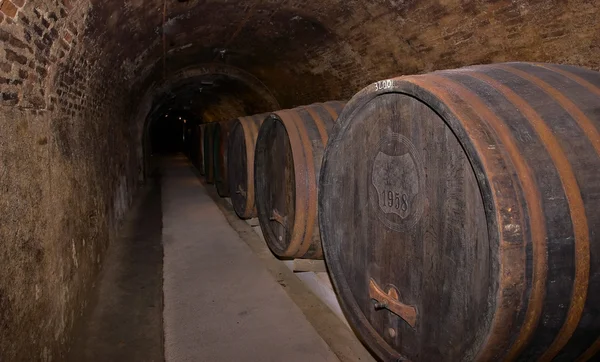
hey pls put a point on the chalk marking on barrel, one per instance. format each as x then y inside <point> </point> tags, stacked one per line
<point>383,84</point>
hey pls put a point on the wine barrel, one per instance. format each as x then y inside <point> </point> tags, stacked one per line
<point>287,160</point>
<point>220,137</point>
<point>459,214</point>
<point>207,152</point>
<point>187,142</point>
<point>194,154</point>
<point>240,164</point>
<point>200,148</point>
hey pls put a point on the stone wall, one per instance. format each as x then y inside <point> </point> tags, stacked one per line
<point>66,174</point>
<point>73,80</point>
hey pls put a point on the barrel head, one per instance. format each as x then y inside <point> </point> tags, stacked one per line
<point>275,185</point>
<point>404,231</point>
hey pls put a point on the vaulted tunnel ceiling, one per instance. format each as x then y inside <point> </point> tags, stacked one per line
<point>311,51</point>
<point>212,97</point>
<point>79,79</point>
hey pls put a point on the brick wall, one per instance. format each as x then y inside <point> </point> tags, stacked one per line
<point>72,73</point>
<point>307,51</point>
<point>66,176</point>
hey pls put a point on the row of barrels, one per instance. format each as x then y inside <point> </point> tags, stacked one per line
<point>272,171</point>
<point>457,211</point>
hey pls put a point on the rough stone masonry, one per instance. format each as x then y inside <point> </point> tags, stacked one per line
<point>76,87</point>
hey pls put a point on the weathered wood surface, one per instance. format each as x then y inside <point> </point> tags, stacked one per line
<point>240,164</point>
<point>289,151</point>
<point>220,141</point>
<point>200,146</point>
<point>470,198</point>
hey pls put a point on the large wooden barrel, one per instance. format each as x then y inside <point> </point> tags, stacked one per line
<point>187,141</point>
<point>459,213</point>
<point>207,152</point>
<point>287,160</point>
<point>240,164</point>
<point>200,148</point>
<point>194,152</point>
<point>220,139</point>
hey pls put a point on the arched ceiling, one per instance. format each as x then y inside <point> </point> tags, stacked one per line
<point>308,51</point>
<point>212,95</point>
<point>313,50</point>
<point>80,77</point>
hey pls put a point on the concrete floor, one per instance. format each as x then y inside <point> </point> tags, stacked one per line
<point>220,303</point>
<point>212,297</point>
<point>124,318</point>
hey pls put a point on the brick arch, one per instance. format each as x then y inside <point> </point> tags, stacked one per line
<point>148,104</point>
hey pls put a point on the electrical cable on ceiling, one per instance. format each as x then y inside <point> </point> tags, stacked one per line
<point>164,40</point>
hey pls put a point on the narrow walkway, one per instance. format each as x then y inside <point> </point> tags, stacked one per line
<point>220,303</point>
<point>123,321</point>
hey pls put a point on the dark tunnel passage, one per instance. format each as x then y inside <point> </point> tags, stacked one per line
<point>94,92</point>
<point>195,96</point>
<point>173,125</point>
<point>168,133</point>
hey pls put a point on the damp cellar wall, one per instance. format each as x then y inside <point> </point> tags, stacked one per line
<point>80,80</point>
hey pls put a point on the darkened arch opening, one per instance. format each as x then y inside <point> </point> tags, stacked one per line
<point>202,94</point>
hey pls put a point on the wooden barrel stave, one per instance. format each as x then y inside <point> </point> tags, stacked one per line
<point>220,137</point>
<point>240,164</point>
<point>207,152</point>
<point>535,156</point>
<point>563,124</point>
<point>288,157</point>
<point>584,92</point>
<point>529,133</point>
<point>200,149</point>
<point>194,146</point>
<point>575,122</point>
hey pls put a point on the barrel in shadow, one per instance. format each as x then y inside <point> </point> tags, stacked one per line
<point>240,164</point>
<point>195,147</point>
<point>459,214</point>
<point>207,152</point>
<point>200,148</point>
<point>220,141</point>
<point>289,150</point>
